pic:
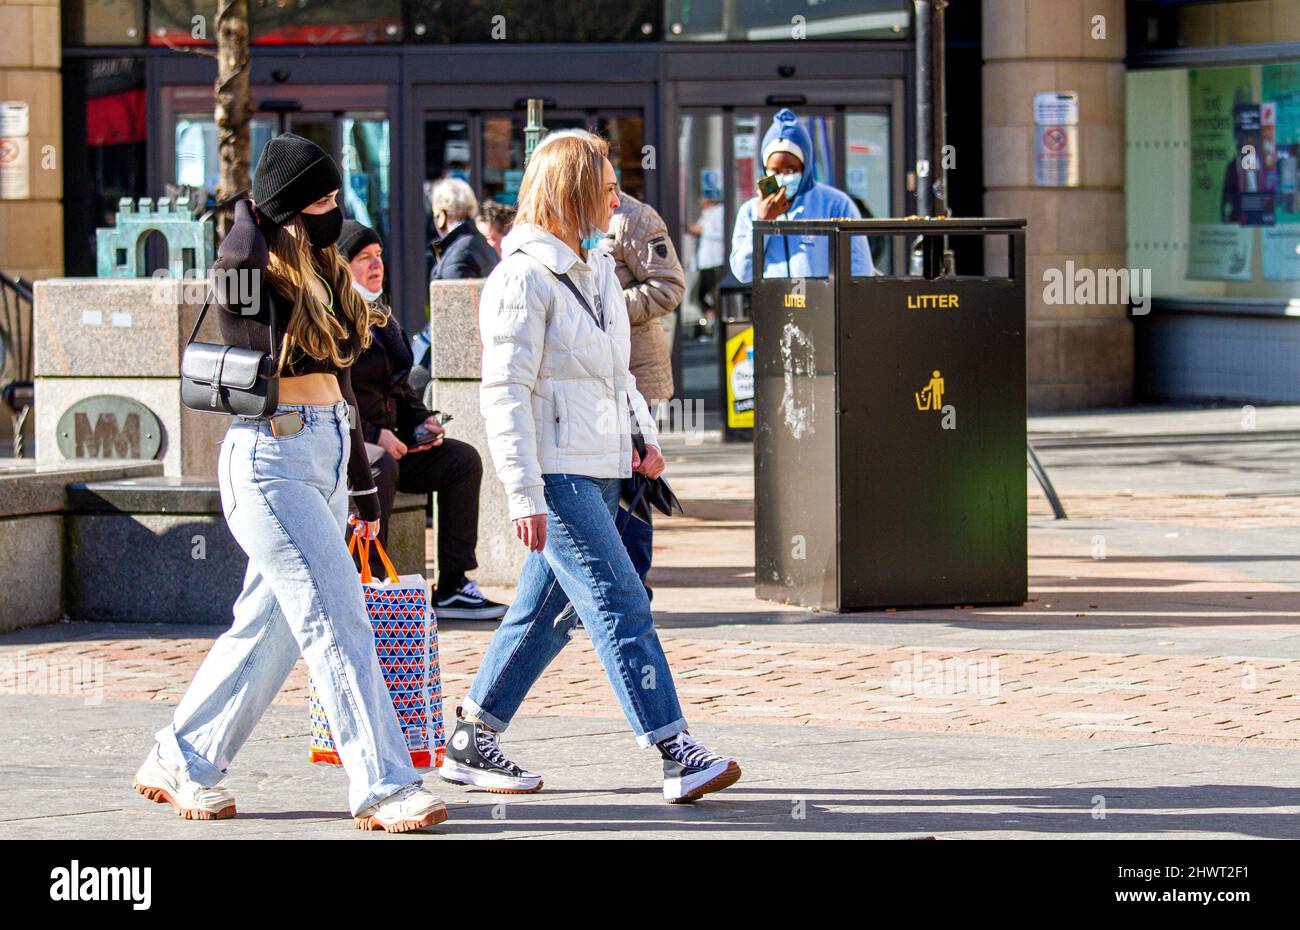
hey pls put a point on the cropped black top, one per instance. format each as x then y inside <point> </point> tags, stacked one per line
<point>246,325</point>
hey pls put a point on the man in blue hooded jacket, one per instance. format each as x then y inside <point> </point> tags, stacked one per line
<point>788,154</point>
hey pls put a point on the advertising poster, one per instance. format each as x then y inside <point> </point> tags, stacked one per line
<point>1220,246</point>
<point>1280,246</point>
<point>740,380</point>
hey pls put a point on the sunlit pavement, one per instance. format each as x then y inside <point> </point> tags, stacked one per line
<point>1149,687</point>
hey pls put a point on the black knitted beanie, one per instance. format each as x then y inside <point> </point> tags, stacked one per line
<point>292,173</point>
<point>354,237</point>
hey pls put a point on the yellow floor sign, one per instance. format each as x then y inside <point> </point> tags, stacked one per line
<point>740,380</point>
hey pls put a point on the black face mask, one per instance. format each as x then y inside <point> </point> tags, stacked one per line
<point>322,228</point>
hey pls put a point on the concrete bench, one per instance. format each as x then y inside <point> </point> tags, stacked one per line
<point>33,515</point>
<point>157,550</point>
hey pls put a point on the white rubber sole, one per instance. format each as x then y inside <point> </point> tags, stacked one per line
<point>693,787</point>
<point>452,771</point>
<point>424,821</point>
<point>160,795</point>
<point>470,613</point>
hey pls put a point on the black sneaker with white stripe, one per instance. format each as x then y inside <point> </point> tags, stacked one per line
<point>691,771</point>
<point>467,603</point>
<point>474,758</point>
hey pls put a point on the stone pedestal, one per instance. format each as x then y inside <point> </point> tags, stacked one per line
<point>185,567</point>
<point>456,355</point>
<point>33,518</point>
<point>97,337</point>
<point>1079,355</point>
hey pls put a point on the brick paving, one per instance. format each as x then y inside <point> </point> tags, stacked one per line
<point>1064,694</point>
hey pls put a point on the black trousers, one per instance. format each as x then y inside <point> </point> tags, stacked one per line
<point>453,471</point>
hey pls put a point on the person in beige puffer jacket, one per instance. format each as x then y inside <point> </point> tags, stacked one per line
<point>653,284</point>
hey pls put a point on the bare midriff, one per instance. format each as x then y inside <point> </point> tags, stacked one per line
<point>320,387</point>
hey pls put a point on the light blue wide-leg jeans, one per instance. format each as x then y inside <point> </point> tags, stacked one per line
<point>285,500</point>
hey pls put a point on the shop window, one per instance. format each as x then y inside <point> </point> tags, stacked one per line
<point>1154,25</point>
<point>785,20</point>
<point>105,122</point>
<point>1213,180</point>
<point>529,21</point>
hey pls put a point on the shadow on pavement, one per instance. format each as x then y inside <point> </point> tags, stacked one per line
<point>1247,810</point>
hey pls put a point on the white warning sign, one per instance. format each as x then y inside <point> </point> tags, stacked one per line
<point>1056,144</point>
<point>15,157</point>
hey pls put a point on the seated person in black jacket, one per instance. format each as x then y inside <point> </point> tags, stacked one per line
<point>391,417</point>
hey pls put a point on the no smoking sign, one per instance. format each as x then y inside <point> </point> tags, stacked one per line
<point>13,169</point>
<point>1055,139</point>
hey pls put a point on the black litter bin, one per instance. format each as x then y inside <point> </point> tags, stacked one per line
<point>889,447</point>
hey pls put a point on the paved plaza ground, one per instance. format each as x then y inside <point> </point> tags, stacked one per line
<point>1149,688</point>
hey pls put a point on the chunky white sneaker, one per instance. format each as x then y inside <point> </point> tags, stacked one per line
<point>412,808</point>
<point>158,782</point>
<point>691,771</point>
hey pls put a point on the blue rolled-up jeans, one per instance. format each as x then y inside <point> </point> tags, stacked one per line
<point>585,562</point>
<point>285,500</point>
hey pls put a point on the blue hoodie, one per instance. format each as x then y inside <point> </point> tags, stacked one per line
<point>796,256</point>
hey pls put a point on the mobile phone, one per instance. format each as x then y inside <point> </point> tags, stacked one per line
<point>424,438</point>
<point>768,185</point>
<point>286,424</point>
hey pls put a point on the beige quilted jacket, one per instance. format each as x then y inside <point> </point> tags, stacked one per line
<point>653,283</point>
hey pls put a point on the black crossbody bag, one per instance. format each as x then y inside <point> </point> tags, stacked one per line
<point>217,378</point>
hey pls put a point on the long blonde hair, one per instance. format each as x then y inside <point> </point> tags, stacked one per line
<point>313,329</point>
<point>562,188</point>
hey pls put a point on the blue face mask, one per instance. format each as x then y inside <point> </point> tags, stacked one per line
<point>592,239</point>
<point>790,182</point>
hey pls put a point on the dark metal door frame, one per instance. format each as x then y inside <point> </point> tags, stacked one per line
<point>329,100</point>
<point>835,97</point>
<point>473,102</point>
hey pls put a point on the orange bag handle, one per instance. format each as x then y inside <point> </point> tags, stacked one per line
<point>359,542</point>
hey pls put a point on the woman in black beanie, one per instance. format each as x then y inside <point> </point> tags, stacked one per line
<point>284,493</point>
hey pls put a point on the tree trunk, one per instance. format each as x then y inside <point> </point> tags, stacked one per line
<point>234,103</point>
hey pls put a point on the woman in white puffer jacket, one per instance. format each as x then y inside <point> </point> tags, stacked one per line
<point>559,404</point>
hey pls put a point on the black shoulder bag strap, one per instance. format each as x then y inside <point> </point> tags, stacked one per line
<point>270,340</point>
<point>568,282</point>
<point>635,427</point>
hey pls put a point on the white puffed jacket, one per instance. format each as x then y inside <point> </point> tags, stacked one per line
<point>557,396</point>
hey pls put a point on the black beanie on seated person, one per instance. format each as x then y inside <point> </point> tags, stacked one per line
<point>292,173</point>
<point>354,237</point>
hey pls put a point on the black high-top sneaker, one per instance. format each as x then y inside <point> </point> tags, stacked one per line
<point>691,771</point>
<point>474,758</point>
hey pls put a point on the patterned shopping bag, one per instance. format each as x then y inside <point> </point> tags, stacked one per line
<point>406,639</point>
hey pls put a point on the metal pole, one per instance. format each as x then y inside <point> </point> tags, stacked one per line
<point>939,100</point>
<point>533,129</point>
<point>1058,511</point>
<point>924,114</point>
<point>921,168</point>
<point>938,113</point>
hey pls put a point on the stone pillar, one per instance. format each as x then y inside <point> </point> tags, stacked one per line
<point>1079,355</point>
<point>120,338</point>
<point>31,228</point>
<point>455,368</point>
